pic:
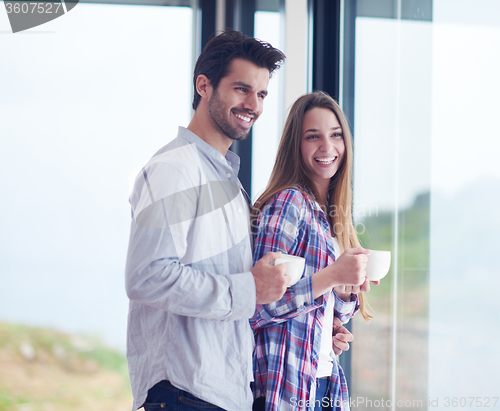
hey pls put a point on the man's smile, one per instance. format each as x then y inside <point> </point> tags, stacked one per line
<point>244,117</point>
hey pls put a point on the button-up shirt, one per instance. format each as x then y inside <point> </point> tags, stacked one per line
<point>288,332</point>
<point>188,276</point>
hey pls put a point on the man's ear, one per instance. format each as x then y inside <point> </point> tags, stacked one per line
<point>203,86</point>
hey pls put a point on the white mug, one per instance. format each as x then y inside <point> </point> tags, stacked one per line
<point>295,267</point>
<point>378,265</point>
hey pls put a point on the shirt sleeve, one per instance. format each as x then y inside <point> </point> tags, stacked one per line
<point>282,226</point>
<point>346,310</point>
<point>154,274</point>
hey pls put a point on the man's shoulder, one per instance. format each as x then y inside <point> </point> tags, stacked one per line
<point>179,157</point>
<point>174,168</point>
<point>173,152</point>
<point>176,143</point>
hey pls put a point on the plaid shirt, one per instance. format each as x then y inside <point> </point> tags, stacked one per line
<point>288,332</point>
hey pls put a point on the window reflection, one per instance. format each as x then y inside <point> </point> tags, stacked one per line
<point>427,168</point>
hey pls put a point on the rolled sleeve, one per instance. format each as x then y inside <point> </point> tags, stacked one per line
<point>346,310</point>
<point>297,300</point>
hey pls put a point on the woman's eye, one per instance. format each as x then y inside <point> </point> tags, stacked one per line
<point>312,136</point>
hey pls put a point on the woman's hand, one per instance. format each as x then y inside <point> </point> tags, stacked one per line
<point>349,270</point>
<point>341,337</point>
<point>344,291</point>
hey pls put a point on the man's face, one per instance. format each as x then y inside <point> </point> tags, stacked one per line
<point>238,100</point>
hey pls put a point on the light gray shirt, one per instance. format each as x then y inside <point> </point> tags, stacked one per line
<point>188,276</point>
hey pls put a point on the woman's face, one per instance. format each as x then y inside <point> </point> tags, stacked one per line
<point>322,146</point>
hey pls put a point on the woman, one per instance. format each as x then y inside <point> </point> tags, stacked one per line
<point>306,211</point>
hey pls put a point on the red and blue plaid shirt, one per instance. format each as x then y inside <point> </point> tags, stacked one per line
<point>288,332</point>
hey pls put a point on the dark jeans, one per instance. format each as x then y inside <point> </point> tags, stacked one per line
<point>323,402</point>
<point>164,396</point>
<point>259,404</point>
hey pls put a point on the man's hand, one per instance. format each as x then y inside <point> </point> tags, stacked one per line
<point>341,337</point>
<point>270,280</point>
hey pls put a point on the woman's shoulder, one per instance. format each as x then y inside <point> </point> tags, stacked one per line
<point>294,196</point>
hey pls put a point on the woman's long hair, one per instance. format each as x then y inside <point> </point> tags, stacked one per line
<point>284,176</point>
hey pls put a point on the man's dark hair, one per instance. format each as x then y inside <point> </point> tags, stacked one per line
<point>215,59</point>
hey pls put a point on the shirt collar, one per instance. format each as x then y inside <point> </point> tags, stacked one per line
<point>207,149</point>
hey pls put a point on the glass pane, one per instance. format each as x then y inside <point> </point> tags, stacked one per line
<point>427,183</point>
<point>464,326</point>
<point>267,131</point>
<point>85,100</point>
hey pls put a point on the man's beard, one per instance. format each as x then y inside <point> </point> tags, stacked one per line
<point>217,113</point>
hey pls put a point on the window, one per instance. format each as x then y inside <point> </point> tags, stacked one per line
<point>426,183</point>
<point>86,100</point>
<point>266,133</point>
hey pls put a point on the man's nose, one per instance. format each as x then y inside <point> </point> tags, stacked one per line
<point>252,102</point>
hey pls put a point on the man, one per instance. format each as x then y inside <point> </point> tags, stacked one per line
<point>189,272</point>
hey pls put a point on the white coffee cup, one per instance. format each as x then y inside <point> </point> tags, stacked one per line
<point>378,265</point>
<point>295,267</point>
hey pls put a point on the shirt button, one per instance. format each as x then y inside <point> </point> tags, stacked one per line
<point>228,175</point>
<point>222,157</point>
<point>240,210</point>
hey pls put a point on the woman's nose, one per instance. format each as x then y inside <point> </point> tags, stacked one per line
<point>327,145</point>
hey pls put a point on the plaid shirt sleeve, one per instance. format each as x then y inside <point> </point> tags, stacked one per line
<point>282,227</point>
<point>346,310</point>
